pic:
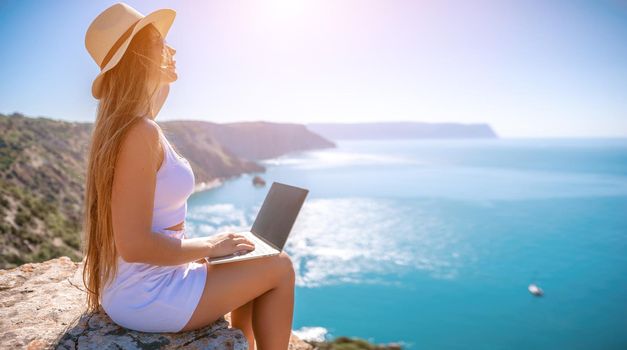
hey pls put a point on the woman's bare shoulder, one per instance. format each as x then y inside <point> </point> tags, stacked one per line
<point>143,133</point>
<point>142,139</point>
<point>145,127</point>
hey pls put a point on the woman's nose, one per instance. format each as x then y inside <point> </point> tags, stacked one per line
<point>171,49</point>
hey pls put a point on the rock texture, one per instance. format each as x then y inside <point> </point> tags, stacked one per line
<point>42,306</point>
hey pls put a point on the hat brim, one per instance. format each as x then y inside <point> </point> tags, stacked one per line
<point>162,19</point>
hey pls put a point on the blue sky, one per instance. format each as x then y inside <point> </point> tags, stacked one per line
<point>529,68</point>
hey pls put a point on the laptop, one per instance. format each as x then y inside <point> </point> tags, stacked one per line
<point>272,224</point>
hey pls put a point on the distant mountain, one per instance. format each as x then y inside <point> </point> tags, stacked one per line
<point>43,164</point>
<point>247,140</point>
<point>401,130</point>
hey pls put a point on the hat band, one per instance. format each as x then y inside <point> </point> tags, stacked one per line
<point>117,45</point>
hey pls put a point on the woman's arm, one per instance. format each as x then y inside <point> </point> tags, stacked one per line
<point>160,249</point>
<point>132,201</point>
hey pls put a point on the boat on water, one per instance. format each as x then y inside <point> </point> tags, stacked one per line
<point>535,290</point>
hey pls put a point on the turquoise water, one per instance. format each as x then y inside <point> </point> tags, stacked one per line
<point>433,243</point>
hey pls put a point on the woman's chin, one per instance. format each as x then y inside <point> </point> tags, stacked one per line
<point>170,76</point>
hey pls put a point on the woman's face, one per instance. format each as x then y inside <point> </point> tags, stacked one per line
<point>159,84</point>
<point>165,55</point>
<point>169,64</point>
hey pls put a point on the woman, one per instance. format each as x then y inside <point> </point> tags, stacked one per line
<point>139,264</point>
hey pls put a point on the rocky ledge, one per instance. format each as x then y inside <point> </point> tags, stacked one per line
<point>42,306</point>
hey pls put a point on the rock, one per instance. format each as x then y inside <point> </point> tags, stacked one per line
<point>97,331</point>
<point>258,181</point>
<point>43,306</point>
<point>353,344</point>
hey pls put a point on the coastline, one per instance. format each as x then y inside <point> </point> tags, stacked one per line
<point>208,185</point>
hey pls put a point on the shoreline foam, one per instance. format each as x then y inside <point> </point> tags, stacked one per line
<point>208,185</point>
<point>316,333</point>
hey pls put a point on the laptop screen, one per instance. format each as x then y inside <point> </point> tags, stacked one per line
<point>278,213</point>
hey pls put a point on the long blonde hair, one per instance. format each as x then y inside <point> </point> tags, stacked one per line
<point>125,99</point>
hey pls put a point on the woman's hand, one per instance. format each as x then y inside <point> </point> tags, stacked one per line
<point>229,243</point>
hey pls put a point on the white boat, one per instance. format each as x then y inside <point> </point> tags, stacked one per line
<point>535,290</point>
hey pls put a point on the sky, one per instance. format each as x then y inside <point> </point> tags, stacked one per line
<point>528,68</point>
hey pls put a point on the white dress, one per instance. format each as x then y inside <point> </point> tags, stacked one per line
<point>153,298</point>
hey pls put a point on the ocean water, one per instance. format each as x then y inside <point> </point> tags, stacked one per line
<point>432,244</point>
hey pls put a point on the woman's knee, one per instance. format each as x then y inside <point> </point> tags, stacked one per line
<point>288,274</point>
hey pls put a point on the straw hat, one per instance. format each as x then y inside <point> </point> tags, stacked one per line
<point>109,35</point>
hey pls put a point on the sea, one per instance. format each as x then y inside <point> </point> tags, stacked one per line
<point>432,244</point>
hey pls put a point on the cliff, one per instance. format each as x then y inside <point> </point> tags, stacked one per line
<point>43,164</point>
<point>247,140</point>
<point>42,306</point>
<point>401,130</point>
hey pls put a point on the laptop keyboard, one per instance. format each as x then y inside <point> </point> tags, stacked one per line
<point>261,247</point>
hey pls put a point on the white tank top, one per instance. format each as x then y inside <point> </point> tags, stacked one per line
<point>156,298</point>
<point>175,183</point>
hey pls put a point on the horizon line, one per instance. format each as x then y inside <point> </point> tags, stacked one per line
<point>498,136</point>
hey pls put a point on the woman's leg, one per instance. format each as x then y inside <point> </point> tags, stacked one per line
<point>272,314</point>
<point>269,281</point>
<point>242,318</point>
